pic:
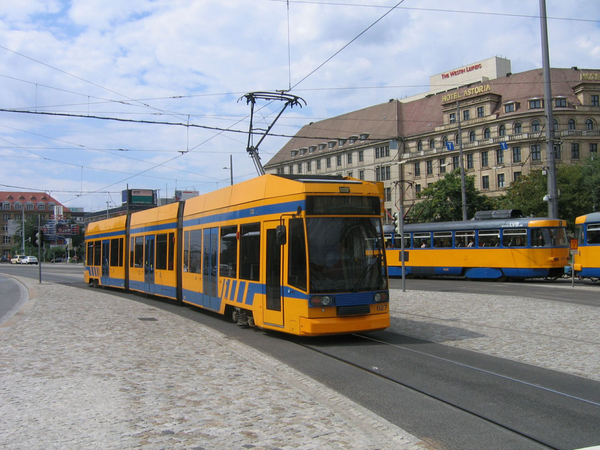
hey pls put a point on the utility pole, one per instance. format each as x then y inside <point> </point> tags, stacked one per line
<point>552,197</point>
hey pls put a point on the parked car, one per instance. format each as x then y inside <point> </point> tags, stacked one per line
<point>17,259</point>
<point>29,260</point>
<point>57,260</point>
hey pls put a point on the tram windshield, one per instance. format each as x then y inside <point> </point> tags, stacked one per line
<point>345,254</point>
<point>549,237</point>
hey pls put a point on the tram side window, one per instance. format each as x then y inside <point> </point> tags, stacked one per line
<point>97,253</point>
<point>138,259</point>
<point>195,239</point>
<point>537,238</point>
<point>514,238</point>
<point>464,238</point>
<point>442,239</point>
<point>228,257</point>
<point>489,238</point>
<point>162,245</point>
<point>297,254</point>
<point>558,237</point>
<point>422,240</point>
<point>116,252</point>
<point>593,233</point>
<point>89,253</point>
<point>250,251</point>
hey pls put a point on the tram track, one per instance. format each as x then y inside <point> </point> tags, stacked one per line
<point>540,395</point>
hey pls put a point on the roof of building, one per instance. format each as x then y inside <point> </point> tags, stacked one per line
<point>396,119</point>
<point>34,197</point>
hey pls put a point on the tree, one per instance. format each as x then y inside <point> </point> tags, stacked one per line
<point>442,201</point>
<point>527,194</point>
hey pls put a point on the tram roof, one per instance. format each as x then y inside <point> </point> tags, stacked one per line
<point>521,222</point>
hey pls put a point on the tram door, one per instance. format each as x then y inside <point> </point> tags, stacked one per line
<point>105,259</point>
<point>149,264</point>
<point>274,291</point>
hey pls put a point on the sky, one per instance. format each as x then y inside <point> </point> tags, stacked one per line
<point>97,96</point>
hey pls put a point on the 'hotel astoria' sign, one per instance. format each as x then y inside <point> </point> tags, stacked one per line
<point>466,93</point>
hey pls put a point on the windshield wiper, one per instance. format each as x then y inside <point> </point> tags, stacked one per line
<point>365,273</point>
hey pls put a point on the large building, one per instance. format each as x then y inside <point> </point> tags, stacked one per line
<point>23,206</point>
<point>411,143</point>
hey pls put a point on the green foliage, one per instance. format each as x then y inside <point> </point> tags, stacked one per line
<point>442,201</point>
<point>527,194</point>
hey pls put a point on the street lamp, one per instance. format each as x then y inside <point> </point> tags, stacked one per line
<point>230,169</point>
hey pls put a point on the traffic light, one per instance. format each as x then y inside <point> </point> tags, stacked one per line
<point>397,223</point>
<point>39,238</point>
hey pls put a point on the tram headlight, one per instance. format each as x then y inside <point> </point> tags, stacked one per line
<point>380,297</point>
<point>321,300</point>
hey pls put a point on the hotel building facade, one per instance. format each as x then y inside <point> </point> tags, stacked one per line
<point>497,117</point>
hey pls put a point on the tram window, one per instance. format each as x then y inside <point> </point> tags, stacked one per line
<point>464,238</point>
<point>442,239</point>
<point>139,252</point>
<point>131,251</point>
<point>116,255</point>
<point>514,238</point>
<point>557,237</point>
<point>195,239</point>
<point>228,258</point>
<point>406,241</point>
<point>161,251</point>
<point>90,253</point>
<point>250,251</point>
<point>186,251</point>
<point>422,240</point>
<point>297,254</point>
<point>593,234</point>
<point>489,238</point>
<point>171,256</point>
<point>537,238</point>
<point>97,254</point>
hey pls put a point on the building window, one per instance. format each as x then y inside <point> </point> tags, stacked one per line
<point>516,154</point>
<point>593,148</point>
<point>388,172</point>
<point>535,104</point>
<point>318,164</point>
<point>431,144</point>
<point>442,165</point>
<point>341,142</point>
<point>510,107</point>
<point>361,174</point>
<point>557,151</point>
<point>328,162</point>
<point>480,111</point>
<point>429,165</point>
<point>5,239</point>
<point>388,194</point>
<point>420,146</point>
<point>455,163</point>
<point>322,147</point>
<point>309,166</point>
<point>485,182</point>
<point>417,188</point>
<point>417,169</point>
<point>518,128</point>
<point>350,174</point>
<point>338,160</point>
<point>501,130</point>
<point>560,102</point>
<point>349,158</point>
<point>500,157</point>
<point>571,124</point>
<point>470,163</point>
<point>452,117</point>
<point>575,150</point>
<point>29,206</point>
<point>299,168</point>
<point>484,159</point>
<point>331,144</point>
<point>18,206</point>
<point>361,155</point>
<point>352,139</point>
<point>303,151</point>
<point>466,114</point>
<point>500,180</point>
<point>516,176</point>
<point>312,148</point>
<point>472,136</point>
<point>595,100</point>
<point>536,152</point>
<point>444,141</point>
<point>589,124</point>
<point>291,170</point>
<point>535,126</point>
<point>486,133</point>
<point>5,205</point>
<point>555,125</point>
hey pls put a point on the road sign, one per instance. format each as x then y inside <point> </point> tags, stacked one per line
<point>450,145</point>
<point>503,145</point>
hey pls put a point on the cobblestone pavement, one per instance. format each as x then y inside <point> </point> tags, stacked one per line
<point>82,369</point>
<point>85,369</point>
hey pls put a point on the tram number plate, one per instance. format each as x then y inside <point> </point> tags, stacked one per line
<point>382,307</point>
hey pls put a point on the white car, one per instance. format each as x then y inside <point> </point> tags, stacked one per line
<point>17,259</point>
<point>29,260</point>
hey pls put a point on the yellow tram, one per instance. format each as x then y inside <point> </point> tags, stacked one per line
<point>301,255</point>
